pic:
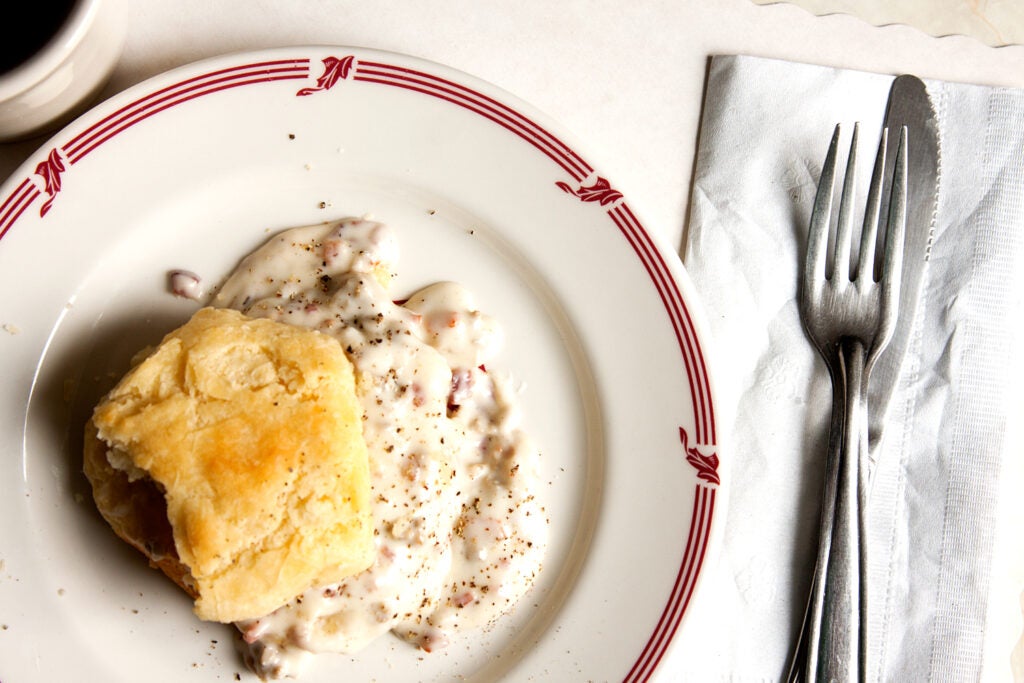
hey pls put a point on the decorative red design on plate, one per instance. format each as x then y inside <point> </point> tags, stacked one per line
<point>50,171</point>
<point>334,70</point>
<point>601,191</point>
<point>706,465</point>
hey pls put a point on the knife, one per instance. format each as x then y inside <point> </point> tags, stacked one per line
<point>909,105</point>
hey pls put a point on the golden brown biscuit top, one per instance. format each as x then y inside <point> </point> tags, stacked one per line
<point>253,430</point>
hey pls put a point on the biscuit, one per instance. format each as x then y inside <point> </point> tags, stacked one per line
<point>233,457</point>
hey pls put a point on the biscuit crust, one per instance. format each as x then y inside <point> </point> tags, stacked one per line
<point>252,432</point>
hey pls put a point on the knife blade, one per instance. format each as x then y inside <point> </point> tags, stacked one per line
<point>909,105</point>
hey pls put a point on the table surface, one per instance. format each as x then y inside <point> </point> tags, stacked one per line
<point>626,78</point>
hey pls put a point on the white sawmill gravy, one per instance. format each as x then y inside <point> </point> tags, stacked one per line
<point>459,535</point>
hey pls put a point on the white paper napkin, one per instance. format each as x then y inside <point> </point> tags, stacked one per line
<point>946,568</point>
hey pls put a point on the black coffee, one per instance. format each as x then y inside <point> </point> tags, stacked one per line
<point>36,24</point>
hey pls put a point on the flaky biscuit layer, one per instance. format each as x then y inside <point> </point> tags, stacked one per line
<point>252,431</point>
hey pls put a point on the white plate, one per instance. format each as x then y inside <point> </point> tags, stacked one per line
<point>191,169</point>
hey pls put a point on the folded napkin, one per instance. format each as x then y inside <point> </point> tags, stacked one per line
<point>947,536</point>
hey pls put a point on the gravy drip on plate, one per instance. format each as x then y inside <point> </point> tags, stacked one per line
<point>459,535</point>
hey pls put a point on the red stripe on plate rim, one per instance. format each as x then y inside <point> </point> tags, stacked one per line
<point>682,590</point>
<point>143,108</point>
<point>509,112</point>
<point>19,200</point>
<point>698,372</point>
<point>525,133</point>
<point>171,101</point>
<point>663,288</point>
<point>297,63</point>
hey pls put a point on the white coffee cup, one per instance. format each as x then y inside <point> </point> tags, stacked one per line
<point>60,75</point>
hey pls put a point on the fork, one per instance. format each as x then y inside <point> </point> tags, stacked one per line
<point>848,305</point>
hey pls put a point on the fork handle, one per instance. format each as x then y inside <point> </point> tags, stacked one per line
<point>831,639</point>
<point>805,654</point>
